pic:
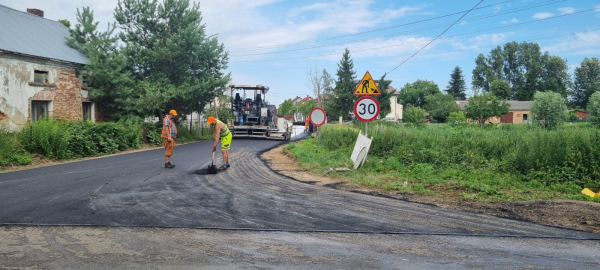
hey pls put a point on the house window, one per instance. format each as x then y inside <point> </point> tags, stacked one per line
<point>40,76</point>
<point>518,115</point>
<point>87,111</point>
<point>524,117</point>
<point>39,110</point>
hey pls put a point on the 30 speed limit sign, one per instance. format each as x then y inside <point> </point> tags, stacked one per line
<point>366,109</point>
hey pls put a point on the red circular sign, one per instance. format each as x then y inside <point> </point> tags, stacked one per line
<point>366,109</point>
<point>317,116</point>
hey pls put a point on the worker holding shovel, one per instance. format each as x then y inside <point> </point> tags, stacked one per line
<point>223,133</point>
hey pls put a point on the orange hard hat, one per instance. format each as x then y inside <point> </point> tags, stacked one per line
<point>173,112</point>
<point>211,119</point>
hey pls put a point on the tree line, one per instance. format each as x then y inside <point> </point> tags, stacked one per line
<point>515,71</point>
<point>161,59</point>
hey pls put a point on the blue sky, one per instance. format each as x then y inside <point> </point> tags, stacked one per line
<point>260,35</point>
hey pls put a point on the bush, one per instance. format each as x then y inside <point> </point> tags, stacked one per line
<point>562,155</point>
<point>47,137</point>
<point>414,116</point>
<point>593,107</point>
<point>548,109</point>
<point>457,119</point>
<point>61,140</point>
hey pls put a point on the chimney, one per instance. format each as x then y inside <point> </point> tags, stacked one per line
<point>36,11</point>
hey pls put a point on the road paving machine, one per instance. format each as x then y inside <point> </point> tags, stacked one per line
<point>254,117</point>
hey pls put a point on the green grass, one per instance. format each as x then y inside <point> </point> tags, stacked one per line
<point>513,162</point>
<point>11,151</point>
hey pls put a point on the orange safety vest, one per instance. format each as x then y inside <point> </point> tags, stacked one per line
<point>165,130</point>
<point>306,125</point>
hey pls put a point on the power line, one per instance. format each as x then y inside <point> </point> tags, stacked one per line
<point>364,32</point>
<point>413,31</point>
<point>416,42</point>
<point>435,38</point>
<point>442,52</point>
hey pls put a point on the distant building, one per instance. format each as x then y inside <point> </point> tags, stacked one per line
<point>39,73</point>
<point>307,98</point>
<point>519,112</point>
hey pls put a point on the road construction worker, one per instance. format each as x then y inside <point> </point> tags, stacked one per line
<point>169,133</point>
<point>223,133</point>
<point>306,125</point>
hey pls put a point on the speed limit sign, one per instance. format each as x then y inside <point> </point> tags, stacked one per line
<point>366,109</point>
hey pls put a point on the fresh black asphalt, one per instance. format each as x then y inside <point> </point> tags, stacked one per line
<point>136,190</point>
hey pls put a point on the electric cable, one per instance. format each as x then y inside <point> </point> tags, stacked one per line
<point>411,31</point>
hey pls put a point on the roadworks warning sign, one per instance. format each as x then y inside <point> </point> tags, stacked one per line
<point>367,86</point>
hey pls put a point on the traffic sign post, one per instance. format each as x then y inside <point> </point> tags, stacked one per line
<point>366,109</point>
<point>317,117</point>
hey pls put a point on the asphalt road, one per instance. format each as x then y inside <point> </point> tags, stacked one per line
<point>136,190</point>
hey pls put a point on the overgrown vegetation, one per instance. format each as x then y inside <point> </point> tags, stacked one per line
<point>511,162</point>
<point>11,151</point>
<point>62,140</point>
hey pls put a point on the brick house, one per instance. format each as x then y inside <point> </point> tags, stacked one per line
<point>39,73</point>
<point>519,112</point>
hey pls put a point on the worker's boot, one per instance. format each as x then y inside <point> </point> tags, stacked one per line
<point>169,165</point>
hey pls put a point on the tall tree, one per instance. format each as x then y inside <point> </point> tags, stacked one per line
<point>175,65</point>
<point>457,85</point>
<point>586,83</point>
<point>109,81</point>
<point>314,82</point>
<point>524,67</point>
<point>286,108</point>
<point>342,102</point>
<point>485,106</point>
<point>414,93</point>
<point>501,89</point>
<point>555,75</point>
<point>328,83</point>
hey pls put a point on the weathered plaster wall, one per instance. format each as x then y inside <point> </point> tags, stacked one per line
<point>63,89</point>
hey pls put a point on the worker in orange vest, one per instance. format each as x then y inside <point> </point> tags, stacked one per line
<point>306,125</point>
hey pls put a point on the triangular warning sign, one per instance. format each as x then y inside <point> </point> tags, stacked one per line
<point>367,86</point>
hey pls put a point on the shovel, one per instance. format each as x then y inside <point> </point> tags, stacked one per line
<point>212,168</point>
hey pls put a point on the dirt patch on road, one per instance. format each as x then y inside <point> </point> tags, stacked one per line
<point>579,215</point>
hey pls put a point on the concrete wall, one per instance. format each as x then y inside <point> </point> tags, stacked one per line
<point>17,89</point>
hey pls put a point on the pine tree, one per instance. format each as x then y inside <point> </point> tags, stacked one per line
<point>109,82</point>
<point>175,64</point>
<point>456,85</point>
<point>342,102</point>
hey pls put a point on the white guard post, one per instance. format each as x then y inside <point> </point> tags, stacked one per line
<point>361,148</point>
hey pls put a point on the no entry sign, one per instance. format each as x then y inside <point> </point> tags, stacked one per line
<point>317,116</point>
<point>366,109</point>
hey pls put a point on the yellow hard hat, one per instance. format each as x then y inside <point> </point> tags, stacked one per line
<point>173,112</point>
<point>211,119</point>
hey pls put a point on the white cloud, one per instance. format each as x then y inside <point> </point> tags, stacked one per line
<point>489,39</point>
<point>513,20</point>
<point>244,26</point>
<point>566,10</point>
<point>586,43</point>
<point>542,15</point>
